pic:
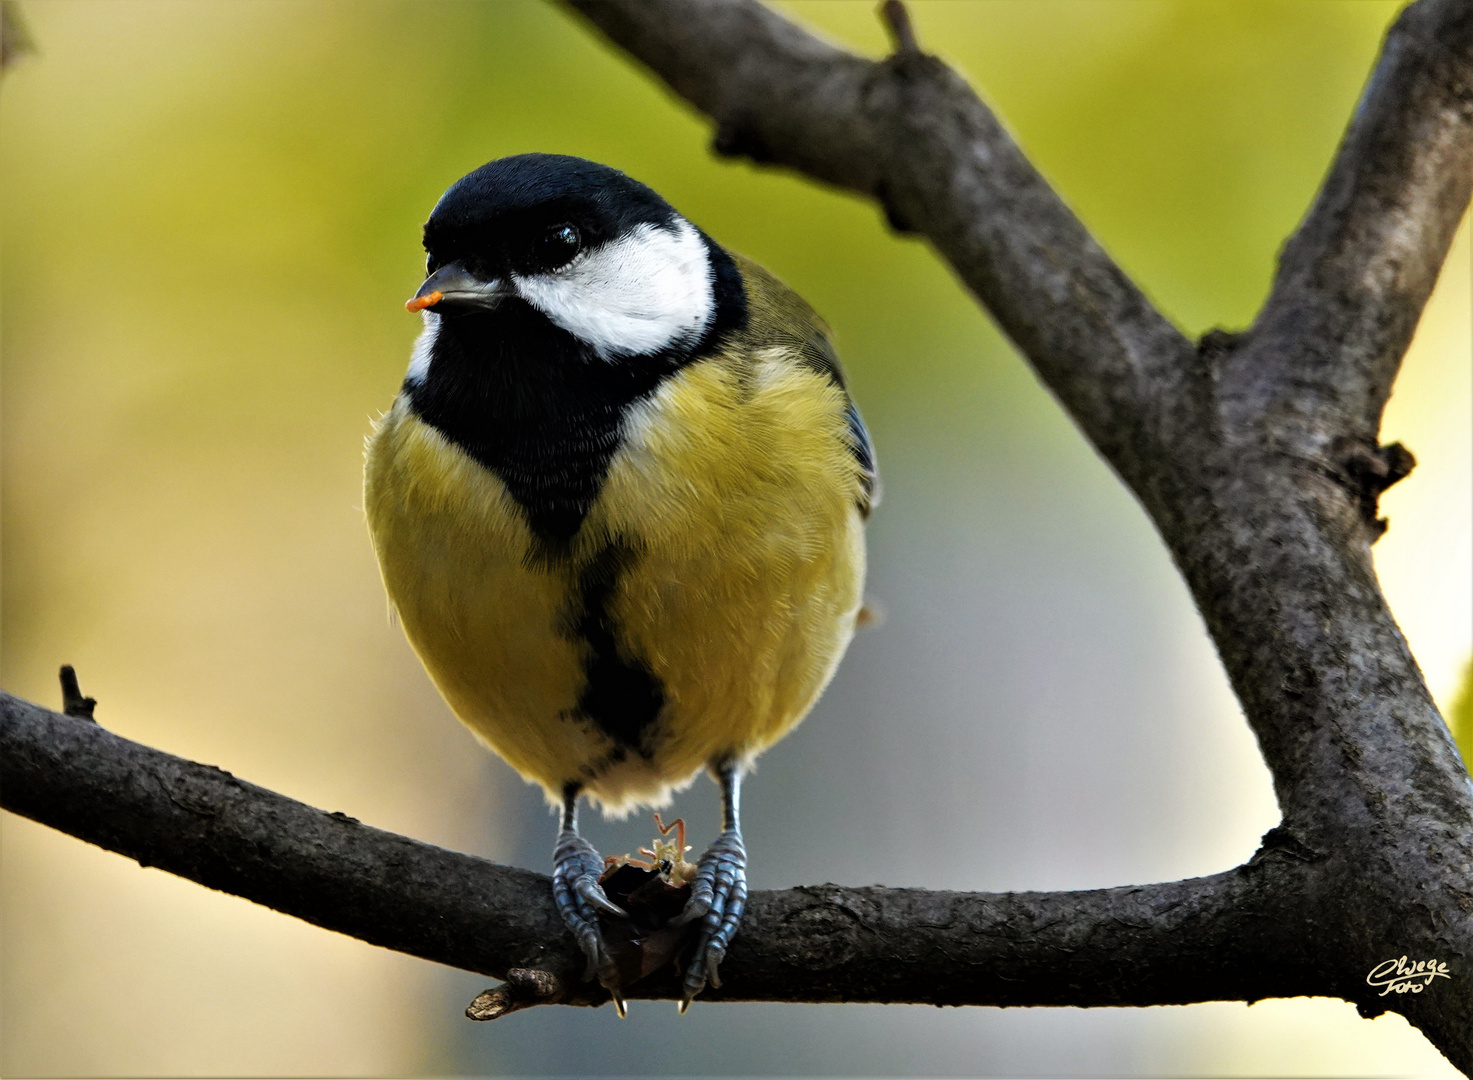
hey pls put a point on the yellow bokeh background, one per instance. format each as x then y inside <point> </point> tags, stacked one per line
<point>209,216</point>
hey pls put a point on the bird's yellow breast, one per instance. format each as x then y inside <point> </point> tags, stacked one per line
<point>725,551</point>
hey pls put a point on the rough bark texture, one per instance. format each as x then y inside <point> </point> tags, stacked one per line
<point>1256,456</point>
<point>1142,945</point>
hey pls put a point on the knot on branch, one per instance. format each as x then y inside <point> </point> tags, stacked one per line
<point>1370,471</point>
<point>523,988</point>
<point>1280,842</point>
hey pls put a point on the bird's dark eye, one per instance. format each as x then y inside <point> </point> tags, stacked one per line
<point>556,247</point>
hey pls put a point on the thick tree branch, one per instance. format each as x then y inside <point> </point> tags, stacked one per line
<point>1160,944</point>
<point>1255,455</point>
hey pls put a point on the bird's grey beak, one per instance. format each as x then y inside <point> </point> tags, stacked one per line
<point>454,285</point>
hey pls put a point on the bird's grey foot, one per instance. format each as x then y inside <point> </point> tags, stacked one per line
<point>718,897</point>
<point>579,898</point>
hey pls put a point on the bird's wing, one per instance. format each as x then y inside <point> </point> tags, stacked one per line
<point>818,353</point>
<point>784,318</point>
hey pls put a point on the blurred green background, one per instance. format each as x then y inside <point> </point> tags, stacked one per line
<point>210,223</point>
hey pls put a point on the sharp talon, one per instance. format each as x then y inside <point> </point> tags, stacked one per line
<point>684,1005</point>
<point>620,1007</point>
<point>607,906</point>
<point>590,890</point>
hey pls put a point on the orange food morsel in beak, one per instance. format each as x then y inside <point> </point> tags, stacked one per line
<point>419,303</point>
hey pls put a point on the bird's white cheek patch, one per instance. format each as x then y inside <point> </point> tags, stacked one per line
<point>419,360</point>
<point>645,292</point>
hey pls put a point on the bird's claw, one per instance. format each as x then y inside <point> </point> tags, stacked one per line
<point>718,897</point>
<point>579,898</point>
<point>590,890</point>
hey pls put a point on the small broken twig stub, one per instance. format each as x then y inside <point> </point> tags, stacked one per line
<point>896,17</point>
<point>72,701</point>
<point>524,987</point>
<point>1370,473</point>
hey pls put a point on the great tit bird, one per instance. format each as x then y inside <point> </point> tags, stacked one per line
<point>619,508</point>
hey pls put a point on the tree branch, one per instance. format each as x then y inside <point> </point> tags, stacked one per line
<point>1255,455</point>
<point>1353,280</point>
<point>1184,941</point>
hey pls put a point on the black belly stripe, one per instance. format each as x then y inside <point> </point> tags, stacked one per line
<point>621,695</point>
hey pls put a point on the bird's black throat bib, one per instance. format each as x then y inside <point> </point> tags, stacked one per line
<point>534,405</point>
<point>539,408</point>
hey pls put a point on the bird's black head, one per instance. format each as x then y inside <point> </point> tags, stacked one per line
<point>514,214</point>
<point>599,255</point>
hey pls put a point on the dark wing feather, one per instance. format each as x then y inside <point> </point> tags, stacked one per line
<point>864,453</point>
<point>818,353</point>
